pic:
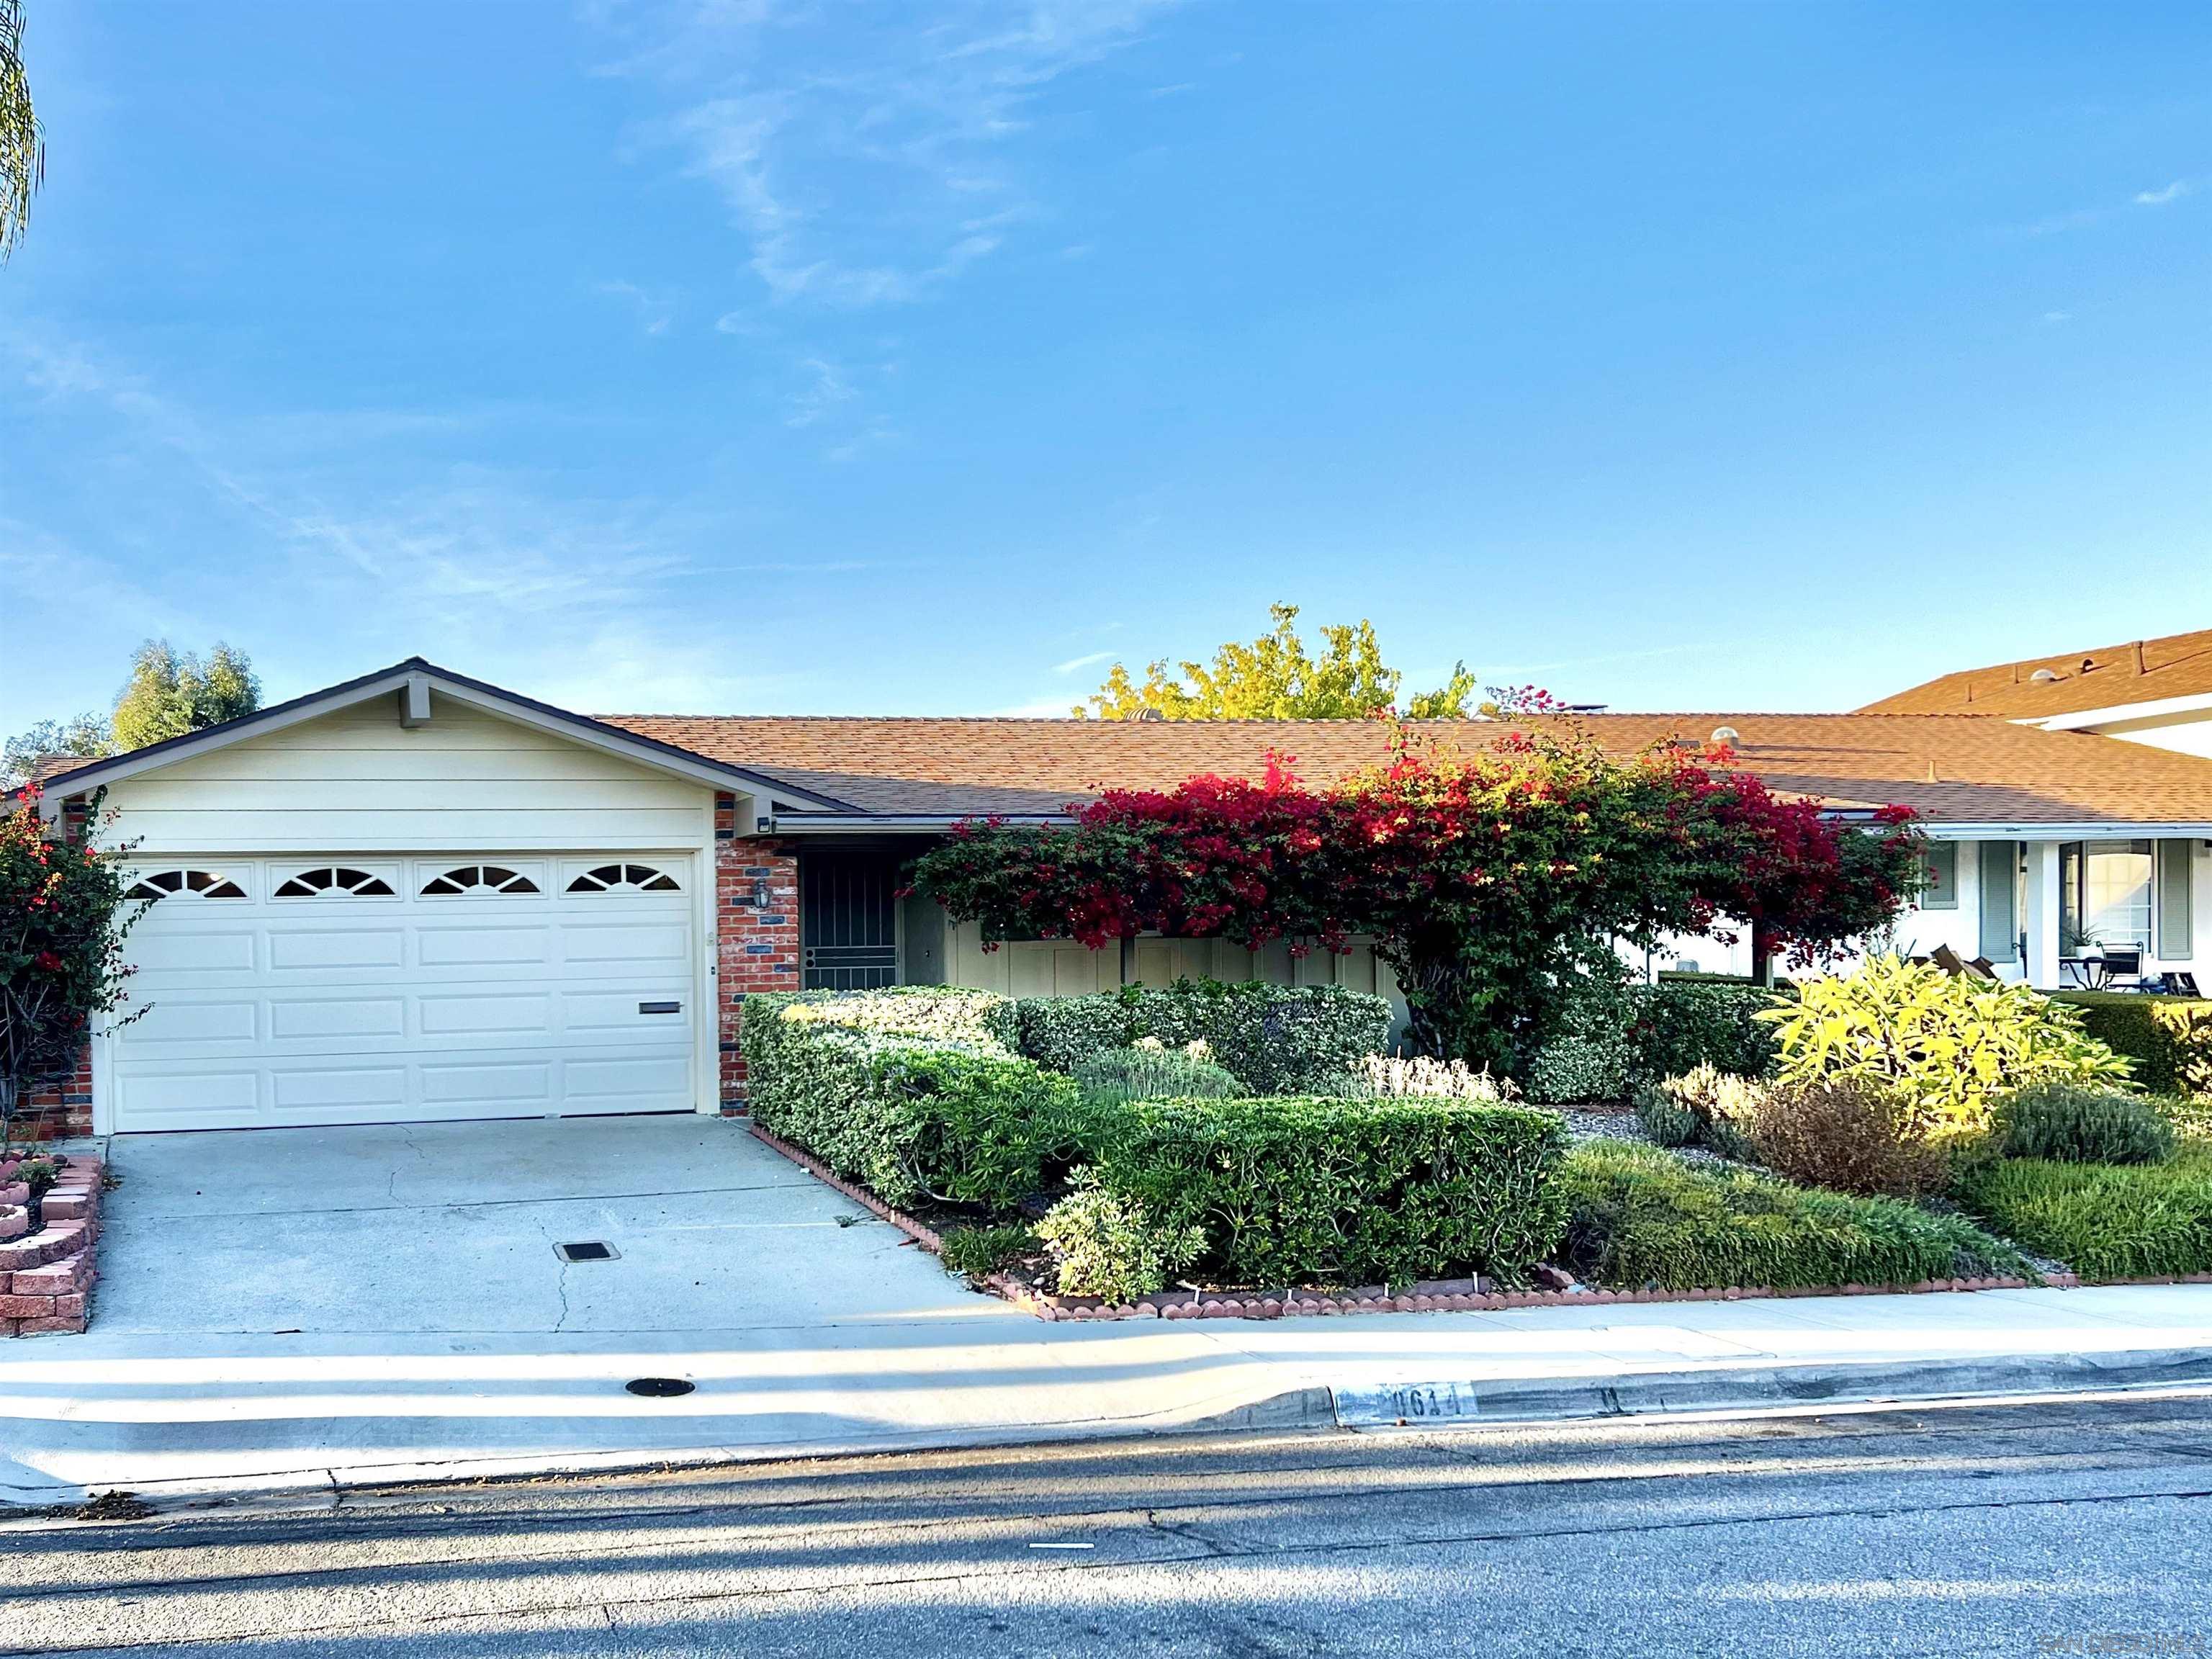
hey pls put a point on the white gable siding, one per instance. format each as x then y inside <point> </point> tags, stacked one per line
<point>358,781</point>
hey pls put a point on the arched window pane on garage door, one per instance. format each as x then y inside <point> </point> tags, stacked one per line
<point>336,881</point>
<point>478,881</point>
<point>624,878</point>
<point>200,883</point>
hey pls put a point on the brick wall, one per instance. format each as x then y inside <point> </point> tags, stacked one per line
<point>66,1109</point>
<point>758,945</point>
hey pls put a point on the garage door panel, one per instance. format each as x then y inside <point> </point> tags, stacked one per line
<point>380,1090</point>
<point>301,1019</point>
<point>177,1020</point>
<point>305,951</point>
<point>514,1083</point>
<point>193,952</point>
<point>616,942</point>
<point>451,1014</point>
<point>189,1099</point>
<point>344,1008</point>
<point>483,947</point>
<point>585,1012</point>
<point>614,1086</point>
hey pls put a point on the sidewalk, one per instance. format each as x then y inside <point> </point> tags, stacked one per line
<point>170,1415</point>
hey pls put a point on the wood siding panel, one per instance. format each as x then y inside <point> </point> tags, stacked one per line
<point>357,779</point>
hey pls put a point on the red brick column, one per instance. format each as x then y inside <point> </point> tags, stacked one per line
<point>757,944</point>
<point>65,1108</point>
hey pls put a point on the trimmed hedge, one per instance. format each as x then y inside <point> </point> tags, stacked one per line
<point>2103,1220</point>
<point>1306,1191</point>
<point>1274,1039</point>
<point>2169,1039</point>
<point>865,1082</point>
<point>1641,1217</point>
<point>1681,1025</point>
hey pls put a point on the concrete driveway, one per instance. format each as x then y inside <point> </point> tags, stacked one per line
<point>448,1228</point>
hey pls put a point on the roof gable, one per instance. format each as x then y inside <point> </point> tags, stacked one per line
<point>2106,677</point>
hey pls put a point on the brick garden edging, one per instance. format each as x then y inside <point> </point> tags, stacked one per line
<point>1432,1298</point>
<point>45,1278</point>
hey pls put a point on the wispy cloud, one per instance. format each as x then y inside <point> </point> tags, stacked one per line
<point>1089,660</point>
<point>2052,319</point>
<point>867,166</point>
<point>2079,218</point>
<point>827,387</point>
<point>653,312</point>
<point>2172,192</point>
<point>337,558</point>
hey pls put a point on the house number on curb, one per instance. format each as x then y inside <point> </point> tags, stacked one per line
<point>1402,1405</point>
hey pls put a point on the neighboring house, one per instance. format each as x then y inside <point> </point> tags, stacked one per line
<point>2152,691</point>
<point>415,895</point>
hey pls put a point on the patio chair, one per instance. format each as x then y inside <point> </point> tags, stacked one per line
<point>2121,969</point>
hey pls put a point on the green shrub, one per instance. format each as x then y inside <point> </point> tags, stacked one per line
<point>942,1013</point>
<point>1640,1217</point>
<point>1274,1039</point>
<point>911,1118</point>
<point>1062,1032</point>
<point>1399,1077</point>
<point>1950,1045</point>
<point>2167,1039</point>
<point>1300,1190</point>
<point>2105,1221</point>
<point>2074,1125</point>
<point>1667,1120</point>
<point>1108,1245</point>
<point>1721,1109</point>
<point>1570,1069</point>
<point>979,1252</point>
<point>1154,1073</point>
<point>1679,1025</point>
<point>1847,1135</point>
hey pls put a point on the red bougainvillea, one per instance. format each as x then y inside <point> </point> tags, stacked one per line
<point>1486,881</point>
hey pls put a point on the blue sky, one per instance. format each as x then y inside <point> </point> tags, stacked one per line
<point>752,357</point>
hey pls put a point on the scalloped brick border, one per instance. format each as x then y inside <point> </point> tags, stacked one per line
<point>47,1277</point>
<point>1197,1305</point>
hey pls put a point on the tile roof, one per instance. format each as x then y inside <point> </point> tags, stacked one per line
<point>1951,770</point>
<point>2178,665</point>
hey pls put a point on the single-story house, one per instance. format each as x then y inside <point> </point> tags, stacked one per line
<point>2151,691</point>
<point>415,896</point>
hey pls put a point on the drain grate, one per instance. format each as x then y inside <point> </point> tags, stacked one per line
<point>589,1250</point>
<point>658,1387</point>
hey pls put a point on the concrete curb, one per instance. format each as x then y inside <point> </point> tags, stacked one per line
<point>1776,1388</point>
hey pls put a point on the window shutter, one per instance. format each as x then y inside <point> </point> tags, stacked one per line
<point>2176,919</point>
<point>2000,900</point>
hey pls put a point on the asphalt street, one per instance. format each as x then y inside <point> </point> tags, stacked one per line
<point>2041,1528</point>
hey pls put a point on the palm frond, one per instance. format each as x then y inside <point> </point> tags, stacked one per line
<point>22,153</point>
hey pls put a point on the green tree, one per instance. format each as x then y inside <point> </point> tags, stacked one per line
<point>22,153</point>
<point>88,734</point>
<point>1276,678</point>
<point>172,692</point>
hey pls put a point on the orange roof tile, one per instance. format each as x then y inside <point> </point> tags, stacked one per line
<point>1951,770</point>
<point>2178,665</point>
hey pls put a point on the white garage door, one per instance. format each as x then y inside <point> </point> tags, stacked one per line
<point>377,990</point>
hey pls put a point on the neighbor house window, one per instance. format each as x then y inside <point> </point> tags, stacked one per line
<point>1941,893</point>
<point>2104,896</point>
